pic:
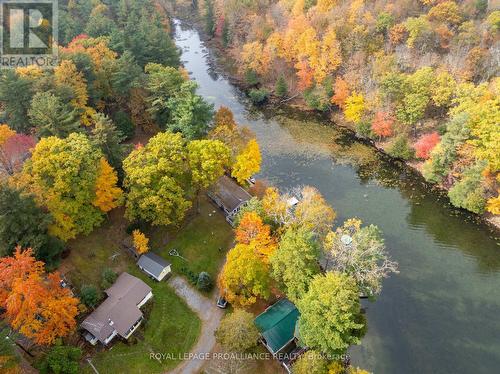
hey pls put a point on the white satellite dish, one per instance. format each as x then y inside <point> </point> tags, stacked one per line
<point>346,239</point>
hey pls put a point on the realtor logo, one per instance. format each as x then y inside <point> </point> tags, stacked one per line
<point>28,33</point>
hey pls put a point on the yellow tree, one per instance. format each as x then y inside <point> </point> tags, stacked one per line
<point>493,205</point>
<point>66,74</point>
<point>107,194</point>
<point>307,45</point>
<point>247,162</point>
<point>298,7</point>
<point>329,58</point>
<point>227,131</point>
<point>62,174</point>
<point>354,107</point>
<point>255,56</point>
<point>275,206</point>
<point>141,242</point>
<point>313,212</point>
<point>296,27</point>
<point>207,161</point>
<point>244,276</point>
<point>5,133</point>
<point>325,5</point>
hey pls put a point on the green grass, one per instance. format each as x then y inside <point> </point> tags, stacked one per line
<point>91,254</point>
<point>204,242</point>
<point>171,328</point>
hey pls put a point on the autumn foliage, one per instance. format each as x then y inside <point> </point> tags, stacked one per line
<point>35,303</point>
<point>141,242</point>
<point>382,124</point>
<point>426,144</point>
<point>247,162</point>
<point>14,150</point>
<point>341,92</point>
<point>253,230</point>
<point>107,195</point>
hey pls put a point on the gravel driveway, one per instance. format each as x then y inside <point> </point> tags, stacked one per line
<point>210,317</point>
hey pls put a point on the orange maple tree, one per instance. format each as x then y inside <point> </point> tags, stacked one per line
<point>341,92</point>
<point>252,230</point>
<point>382,124</point>
<point>35,303</point>
<point>18,266</point>
<point>305,75</point>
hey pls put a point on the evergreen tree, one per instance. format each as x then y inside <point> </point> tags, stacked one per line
<point>281,88</point>
<point>124,124</point>
<point>189,113</point>
<point>126,76</point>
<point>106,137</point>
<point>51,117</point>
<point>209,18</point>
<point>15,97</point>
<point>23,223</point>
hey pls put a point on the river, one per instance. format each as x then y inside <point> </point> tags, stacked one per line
<point>441,313</point>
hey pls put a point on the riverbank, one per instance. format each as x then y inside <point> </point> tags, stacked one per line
<point>224,65</point>
<point>448,259</point>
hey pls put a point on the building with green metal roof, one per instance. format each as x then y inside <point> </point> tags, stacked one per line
<point>277,326</point>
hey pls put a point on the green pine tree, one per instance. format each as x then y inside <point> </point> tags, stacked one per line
<point>281,88</point>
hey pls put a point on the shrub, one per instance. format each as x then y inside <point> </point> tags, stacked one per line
<point>188,273</point>
<point>251,77</point>
<point>108,277</point>
<point>61,360</point>
<point>89,295</point>
<point>204,282</point>
<point>317,98</point>
<point>400,148</point>
<point>258,96</point>
<point>364,128</point>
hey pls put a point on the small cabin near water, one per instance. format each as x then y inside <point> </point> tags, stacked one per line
<point>229,196</point>
<point>278,332</point>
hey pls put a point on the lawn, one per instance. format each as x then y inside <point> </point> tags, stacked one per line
<point>91,254</point>
<point>171,329</point>
<point>203,242</point>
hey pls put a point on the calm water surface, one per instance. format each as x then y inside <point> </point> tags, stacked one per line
<point>441,314</point>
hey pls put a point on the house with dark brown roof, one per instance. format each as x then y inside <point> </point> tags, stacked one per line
<point>120,313</point>
<point>229,196</point>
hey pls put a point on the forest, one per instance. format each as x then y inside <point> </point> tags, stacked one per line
<point>116,144</point>
<point>419,78</point>
<point>116,123</point>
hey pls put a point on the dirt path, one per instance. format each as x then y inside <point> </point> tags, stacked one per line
<point>210,317</point>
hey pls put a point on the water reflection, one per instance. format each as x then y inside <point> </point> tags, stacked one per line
<point>441,313</point>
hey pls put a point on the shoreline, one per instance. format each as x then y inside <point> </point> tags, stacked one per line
<point>330,118</point>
